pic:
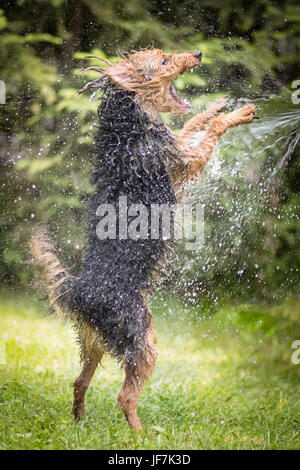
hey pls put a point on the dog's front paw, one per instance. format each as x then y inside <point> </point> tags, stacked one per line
<point>219,104</point>
<point>243,115</point>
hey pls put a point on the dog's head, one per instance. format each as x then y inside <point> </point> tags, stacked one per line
<point>150,74</point>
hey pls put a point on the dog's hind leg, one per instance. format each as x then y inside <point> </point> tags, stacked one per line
<point>135,377</point>
<point>81,385</point>
<point>92,355</point>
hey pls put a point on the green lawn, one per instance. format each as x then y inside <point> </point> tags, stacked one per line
<point>225,382</point>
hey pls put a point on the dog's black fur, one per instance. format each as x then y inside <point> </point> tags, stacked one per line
<point>130,160</point>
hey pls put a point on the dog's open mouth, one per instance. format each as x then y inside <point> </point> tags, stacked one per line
<point>183,103</point>
<point>178,100</point>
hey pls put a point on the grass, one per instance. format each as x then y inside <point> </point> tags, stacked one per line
<point>225,382</point>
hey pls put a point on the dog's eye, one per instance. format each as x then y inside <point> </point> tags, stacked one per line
<point>164,62</point>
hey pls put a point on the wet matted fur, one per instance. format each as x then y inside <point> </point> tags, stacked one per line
<point>136,156</point>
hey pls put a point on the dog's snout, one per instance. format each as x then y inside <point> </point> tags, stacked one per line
<point>198,55</point>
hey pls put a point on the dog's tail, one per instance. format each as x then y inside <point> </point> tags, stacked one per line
<point>57,280</point>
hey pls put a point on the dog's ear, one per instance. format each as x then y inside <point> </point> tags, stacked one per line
<point>122,74</point>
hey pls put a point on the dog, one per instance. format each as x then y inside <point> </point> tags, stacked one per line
<point>136,156</point>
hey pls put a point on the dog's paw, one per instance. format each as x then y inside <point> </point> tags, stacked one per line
<point>243,115</point>
<point>219,104</point>
<point>78,411</point>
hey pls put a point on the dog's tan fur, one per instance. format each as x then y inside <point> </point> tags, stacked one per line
<point>52,271</point>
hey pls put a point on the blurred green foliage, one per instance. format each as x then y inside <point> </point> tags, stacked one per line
<point>46,129</point>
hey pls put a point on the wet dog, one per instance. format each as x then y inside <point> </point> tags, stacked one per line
<point>137,157</point>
